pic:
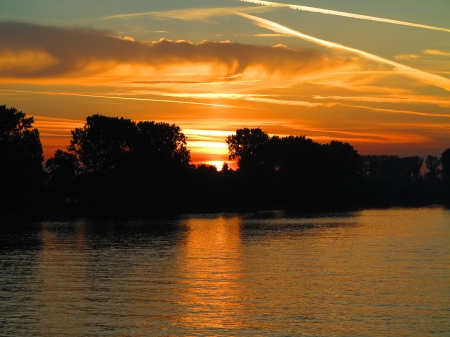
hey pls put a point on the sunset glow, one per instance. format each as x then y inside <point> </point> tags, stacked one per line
<point>371,75</point>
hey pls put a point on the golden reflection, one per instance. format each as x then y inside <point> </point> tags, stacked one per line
<point>62,277</point>
<point>212,273</point>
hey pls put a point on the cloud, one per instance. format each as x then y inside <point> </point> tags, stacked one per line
<point>33,52</point>
<point>436,52</point>
<point>191,14</point>
<point>59,127</point>
<point>406,57</point>
<point>206,96</point>
<point>245,97</point>
<point>265,98</point>
<point>420,75</point>
<point>261,98</point>
<point>344,14</point>
<point>397,111</point>
<point>399,100</point>
<point>271,35</point>
<point>322,134</point>
<point>128,38</point>
<point>289,102</point>
<point>124,98</point>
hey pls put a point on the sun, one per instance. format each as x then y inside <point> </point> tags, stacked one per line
<point>217,163</point>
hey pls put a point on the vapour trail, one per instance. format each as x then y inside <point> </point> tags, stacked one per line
<point>394,111</point>
<point>288,102</point>
<point>423,76</point>
<point>129,98</point>
<point>387,100</point>
<point>344,14</point>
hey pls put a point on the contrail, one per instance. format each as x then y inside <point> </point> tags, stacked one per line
<point>387,100</point>
<point>344,14</point>
<point>190,14</point>
<point>423,76</point>
<point>127,98</point>
<point>394,111</point>
<point>291,103</point>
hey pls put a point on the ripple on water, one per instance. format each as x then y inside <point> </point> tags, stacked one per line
<point>368,273</point>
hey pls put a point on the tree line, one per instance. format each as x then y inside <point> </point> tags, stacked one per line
<point>114,163</point>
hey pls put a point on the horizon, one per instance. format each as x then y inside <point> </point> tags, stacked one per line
<point>213,67</point>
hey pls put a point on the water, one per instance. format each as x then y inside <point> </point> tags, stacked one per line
<point>368,273</point>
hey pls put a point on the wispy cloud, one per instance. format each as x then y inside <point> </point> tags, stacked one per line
<point>398,111</point>
<point>420,75</point>
<point>271,35</point>
<point>261,98</point>
<point>323,134</point>
<point>401,100</point>
<point>51,127</point>
<point>234,96</point>
<point>206,96</point>
<point>269,99</point>
<point>289,102</point>
<point>34,53</point>
<point>436,52</point>
<point>124,98</point>
<point>344,14</point>
<point>191,14</point>
<point>406,57</point>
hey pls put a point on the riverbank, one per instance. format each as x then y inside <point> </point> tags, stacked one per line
<point>71,211</point>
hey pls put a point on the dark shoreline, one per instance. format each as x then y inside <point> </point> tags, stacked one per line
<point>306,210</point>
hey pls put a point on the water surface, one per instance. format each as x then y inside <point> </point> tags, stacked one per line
<point>368,273</point>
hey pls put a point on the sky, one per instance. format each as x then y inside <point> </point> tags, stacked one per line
<point>375,74</point>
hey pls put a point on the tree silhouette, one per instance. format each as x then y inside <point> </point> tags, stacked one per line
<point>116,163</point>
<point>433,163</point>
<point>104,144</point>
<point>390,178</point>
<point>294,170</point>
<point>21,152</point>
<point>445,161</point>
<point>163,142</point>
<point>63,170</point>
<point>128,164</point>
<point>250,147</point>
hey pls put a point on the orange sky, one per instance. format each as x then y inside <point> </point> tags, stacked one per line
<point>266,69</point>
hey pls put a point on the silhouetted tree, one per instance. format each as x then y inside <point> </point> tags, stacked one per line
<point>250,147</point>
<point>21,159</point>
<point>225,168</point>
<point>299,170</point>
<point>124,164</point>
<point>161,163</point>
<point>392,168</point>
<point>433,164</point>
<point>433,189</point>
<point>163,142</point>
<point>390,179</point>
<point>445,161</point>
<point>104,144</point>
<point>63,169</point>
<point>256,161</point>
<point>317,173</point>
<point>294,169</point>
<point>343,171</point>
<point>413,166</point>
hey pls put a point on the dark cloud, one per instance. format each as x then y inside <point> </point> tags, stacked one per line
<point>48,51</point>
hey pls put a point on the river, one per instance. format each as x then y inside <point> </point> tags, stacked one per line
<point>365,273</point>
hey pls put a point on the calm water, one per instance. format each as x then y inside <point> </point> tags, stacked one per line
<point>368,273</point>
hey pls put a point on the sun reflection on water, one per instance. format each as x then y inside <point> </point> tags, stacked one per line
<point>212,274</point>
